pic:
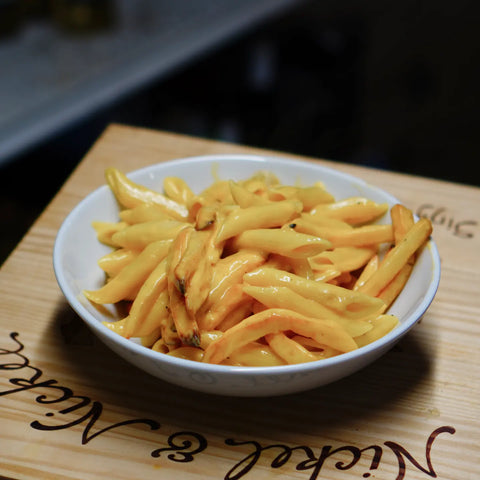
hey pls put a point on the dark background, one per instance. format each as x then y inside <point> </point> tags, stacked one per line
<point>390,86</point>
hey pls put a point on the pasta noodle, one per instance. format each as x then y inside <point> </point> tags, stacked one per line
<point>253,272</point>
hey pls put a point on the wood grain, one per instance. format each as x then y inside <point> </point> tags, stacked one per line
<point>426,387</point>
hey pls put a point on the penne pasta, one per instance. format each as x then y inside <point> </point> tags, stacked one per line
<point>300,266</point>
<point>188,353</point>
<point>286,242</point>
<point>393,289</point>
<point>185,325</point>
<point>367,272</point>
<point>260,182</point>
<point>288,349</point>
<point>192,273</point>
<point>381,325</point>
<point>145,212</point>
<point>157,317</point>
<point>356,237</point>
<point>233,297</point>
<point>402,221</point>
<point>245,198</point>
<point>140,235</point>
<point>178,190</point>
<point>206,216</point>
<point>320,351</point>
<point>323,221</point>
<point>283,297</point>
<point>398,257</point>
<point>150,339</point>
<point>129,194</point>
<point>242,311</point>
<point>344,259</point>
<point>255,354</point>
<point>130,279</point>
<point>115,261</point>
<point>217,193</point>
<point>253,272</point>
<point>154,285</point>
<point>353,210</point>
<point>352,304</point>
<point>308,196</point>
<point>106,230</point>
<point>273,321</point>
<point>230,270</point>
<point>263,216</point>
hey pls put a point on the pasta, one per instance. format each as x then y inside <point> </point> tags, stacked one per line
<point>253,272</point>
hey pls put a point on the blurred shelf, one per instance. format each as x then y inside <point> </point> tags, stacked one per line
<point>50,79</point>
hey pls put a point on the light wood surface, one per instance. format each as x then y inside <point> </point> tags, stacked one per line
<point>72,409</point>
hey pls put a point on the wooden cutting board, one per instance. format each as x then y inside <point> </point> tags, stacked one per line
<point>72,409</point>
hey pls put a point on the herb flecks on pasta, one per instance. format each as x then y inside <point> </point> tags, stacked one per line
<point>253,272</point>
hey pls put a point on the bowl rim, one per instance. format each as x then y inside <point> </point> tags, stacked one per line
<point>385,342</point>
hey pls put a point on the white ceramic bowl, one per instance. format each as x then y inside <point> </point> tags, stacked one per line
<point>77,250</point>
